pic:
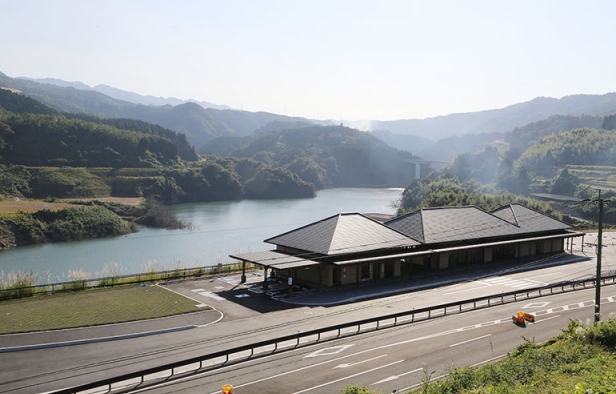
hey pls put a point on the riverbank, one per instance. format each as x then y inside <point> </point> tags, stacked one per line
<point>218,229</point>
<point>74,223</point>
<point>75,220</point>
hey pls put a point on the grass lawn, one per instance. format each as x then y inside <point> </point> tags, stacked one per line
<point>91,307</point>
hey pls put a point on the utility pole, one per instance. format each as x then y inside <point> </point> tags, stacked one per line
<point>598,277</point>
<point>599,246</point>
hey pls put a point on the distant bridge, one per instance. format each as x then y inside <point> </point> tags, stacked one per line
<point>419,162</point>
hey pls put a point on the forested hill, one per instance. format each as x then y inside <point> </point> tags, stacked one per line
<point>198,124</point>
<point>185,150</point>
<point>523,137</point>
<point>326,156</point>
<point>36,135</point>
<point>44,153</point>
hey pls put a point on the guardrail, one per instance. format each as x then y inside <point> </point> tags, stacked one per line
<point>13,292</point>
<point>242,353</point>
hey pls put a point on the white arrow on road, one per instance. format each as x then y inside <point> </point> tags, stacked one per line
<point>394,377</point>
<point>357,363</point>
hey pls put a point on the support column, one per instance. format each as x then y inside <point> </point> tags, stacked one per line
<point>243,279</point>
<point>265,284</point>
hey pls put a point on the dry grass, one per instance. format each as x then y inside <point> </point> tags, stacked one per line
<point>10,206</point>
<point>91,307</point>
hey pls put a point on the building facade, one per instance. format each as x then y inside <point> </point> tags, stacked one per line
<point>353,249</point>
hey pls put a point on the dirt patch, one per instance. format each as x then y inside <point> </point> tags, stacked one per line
<point>30,206</point>
<point>8,206</point>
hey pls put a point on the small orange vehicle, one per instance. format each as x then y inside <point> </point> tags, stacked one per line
<point>521,318</point>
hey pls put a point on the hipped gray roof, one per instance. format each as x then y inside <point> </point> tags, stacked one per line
<point>343,234</point>
<point>469,223</point>
<point>527,220</point>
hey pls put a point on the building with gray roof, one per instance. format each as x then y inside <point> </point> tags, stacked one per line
<point>351,248</point>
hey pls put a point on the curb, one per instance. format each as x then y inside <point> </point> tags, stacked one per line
<point>93,340</point>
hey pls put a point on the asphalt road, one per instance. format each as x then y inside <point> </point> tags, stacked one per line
<point>244,316</point>
<point>398,358</point>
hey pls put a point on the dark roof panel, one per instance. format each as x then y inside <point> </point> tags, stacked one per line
<point>341,234</point>
<point>529,221</point>
<point>410,224</point>
<point>450,224</point>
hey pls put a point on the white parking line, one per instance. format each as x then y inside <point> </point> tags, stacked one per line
<point>215,296</point>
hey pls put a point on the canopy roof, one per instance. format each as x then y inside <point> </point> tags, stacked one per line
<point>274,259</point>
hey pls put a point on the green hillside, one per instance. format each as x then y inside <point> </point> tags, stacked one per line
<point>44,153</point>
<point>326,156</point>
<point>554,160</point>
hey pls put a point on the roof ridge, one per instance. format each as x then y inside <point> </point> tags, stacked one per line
<point>423,229</point>
<point>515,217</point>
<point>334,232</point>
<point>303,227</point>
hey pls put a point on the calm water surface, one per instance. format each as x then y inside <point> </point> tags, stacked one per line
<point>219,229</point>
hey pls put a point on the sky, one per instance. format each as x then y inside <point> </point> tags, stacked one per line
<point>320,59</point>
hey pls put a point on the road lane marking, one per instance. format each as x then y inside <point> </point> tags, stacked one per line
<point>359,362</point>
<point>470,340</point>
<point>394,377</point>
<point>348,377</point>
<point>536,305</point>
<point>547,318</point>
<point>328,351</point>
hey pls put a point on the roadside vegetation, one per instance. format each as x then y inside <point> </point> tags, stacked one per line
<point>578,361</point>
<point>24,284</point>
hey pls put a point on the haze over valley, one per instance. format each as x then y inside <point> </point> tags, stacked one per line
<point>196,102</point>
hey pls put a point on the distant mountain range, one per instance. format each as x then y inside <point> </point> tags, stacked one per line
<point>201,121</point>
<point>123,94</point>
<point>503,119</point>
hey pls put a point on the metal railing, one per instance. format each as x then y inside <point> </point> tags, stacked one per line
<point>245,352</point>
<point>13,292</point>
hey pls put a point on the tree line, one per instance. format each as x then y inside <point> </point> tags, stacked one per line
<point>546,160</point>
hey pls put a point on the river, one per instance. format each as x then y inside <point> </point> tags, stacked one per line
<point>219,229</point>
